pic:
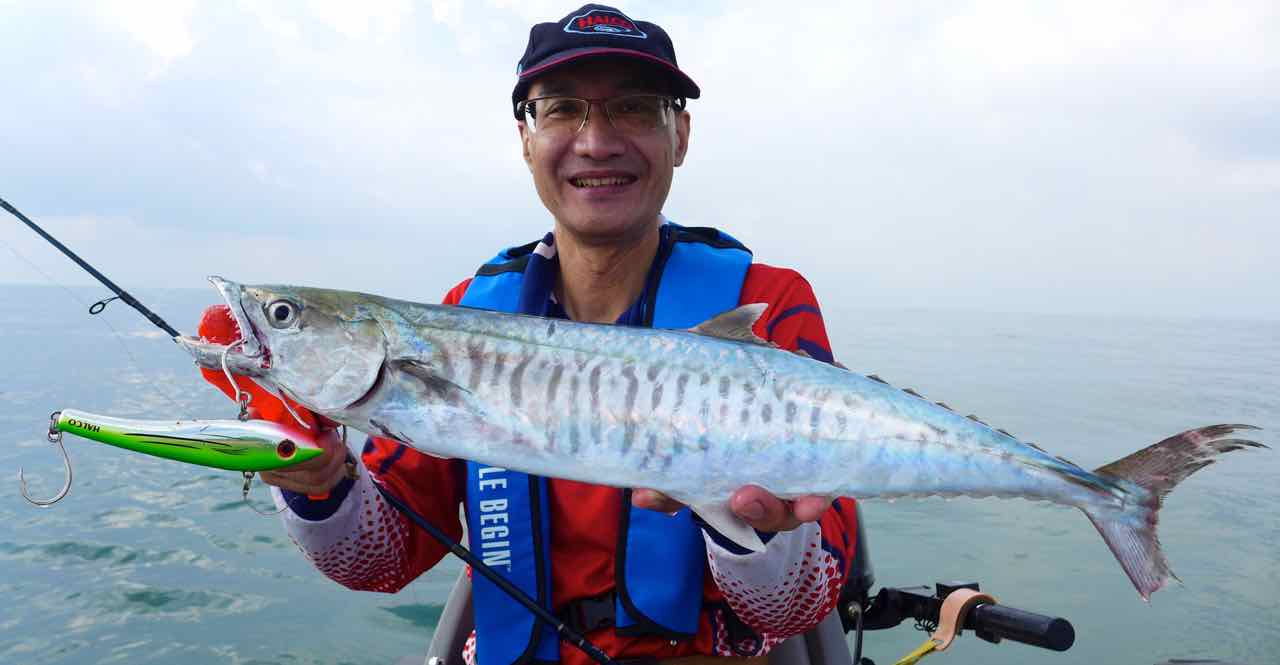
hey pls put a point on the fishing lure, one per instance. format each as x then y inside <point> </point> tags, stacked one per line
<point>249,446</point>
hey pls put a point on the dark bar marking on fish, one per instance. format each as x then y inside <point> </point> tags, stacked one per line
<point>475,354</point>
<point>446,361</point>
<point>499,363</point>
<point>842,423</point>
<point>655,399</point>
<point>792,410</point>
<point>976,419</point>
<point>912,393</point>
<point>629,408</point>
<point>749,393</point>
<point>651,450</point>
<point>744,418</point>
<point>725,383</point>
<point>517,380</point>
<point>946,406</point>
<point>766,413</point>
<point>704,412</point>
<point>877,379</point>
<point>681,382</point>
<point>706,380</point>
<point>553,385</point>
<point>593,388</point>
<point>654,370</point>
<point>551,327</point>
<point>575,438</point>
<point>724,414</point>
<point>815,419</point>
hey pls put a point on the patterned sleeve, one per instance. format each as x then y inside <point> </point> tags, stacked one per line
<point>351,534</point>
<point>792,585</point>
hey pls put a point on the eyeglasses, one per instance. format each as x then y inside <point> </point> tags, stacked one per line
<point>634,115</point>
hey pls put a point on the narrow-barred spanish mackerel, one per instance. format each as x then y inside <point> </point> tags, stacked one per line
<point>692,413</point>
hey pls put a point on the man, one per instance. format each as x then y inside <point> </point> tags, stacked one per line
<point>599,102</point>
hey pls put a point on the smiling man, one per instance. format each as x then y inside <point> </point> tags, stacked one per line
<point>600,109</point>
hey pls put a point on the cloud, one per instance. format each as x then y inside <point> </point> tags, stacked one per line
<point>162,27</point>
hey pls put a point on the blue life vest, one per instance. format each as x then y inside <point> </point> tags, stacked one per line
<point>696,274</point>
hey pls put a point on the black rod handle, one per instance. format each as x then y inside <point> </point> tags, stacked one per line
<point>1018,625</point>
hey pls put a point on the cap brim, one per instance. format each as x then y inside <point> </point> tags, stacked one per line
<point>685,87</point>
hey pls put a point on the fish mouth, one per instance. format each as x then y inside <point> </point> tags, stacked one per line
<point>248,356</point>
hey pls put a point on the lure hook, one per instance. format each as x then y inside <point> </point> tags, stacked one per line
<point>55,437</point>
<point>244,495</point>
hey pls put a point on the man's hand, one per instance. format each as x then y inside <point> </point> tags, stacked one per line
<point>756,506</point>
<point>314,477</point>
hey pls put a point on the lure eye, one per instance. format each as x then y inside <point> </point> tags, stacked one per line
<point>282,314</point>
<point>285,449</point>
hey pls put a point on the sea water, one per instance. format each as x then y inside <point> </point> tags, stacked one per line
<point>152,561</point>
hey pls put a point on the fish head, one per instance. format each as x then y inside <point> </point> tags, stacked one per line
<point>322,348</point>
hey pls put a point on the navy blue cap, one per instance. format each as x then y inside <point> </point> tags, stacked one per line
<point>593,31</point>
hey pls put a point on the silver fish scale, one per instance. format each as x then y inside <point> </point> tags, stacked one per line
<point>628,406</point>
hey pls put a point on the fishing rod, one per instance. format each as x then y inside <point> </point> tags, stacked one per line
<point>120,293</point>
<point>563,631</point>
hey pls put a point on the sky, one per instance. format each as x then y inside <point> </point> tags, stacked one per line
<point>1083,157</point>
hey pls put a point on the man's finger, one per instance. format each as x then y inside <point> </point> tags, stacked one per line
<point>654,500</point>
<point>810,508</point>
<point>762,510</point>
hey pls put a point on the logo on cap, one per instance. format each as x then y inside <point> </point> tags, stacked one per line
<point>603,21</point>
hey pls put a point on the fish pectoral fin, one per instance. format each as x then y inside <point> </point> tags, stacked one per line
<point>734,324</point>
<point>430,379</point>
<point>719,517</point>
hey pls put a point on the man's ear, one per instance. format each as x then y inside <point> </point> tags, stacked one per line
<point>526,138</point>
<point>682,137</point>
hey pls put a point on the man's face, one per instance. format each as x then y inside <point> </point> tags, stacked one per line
<point>638,166</point>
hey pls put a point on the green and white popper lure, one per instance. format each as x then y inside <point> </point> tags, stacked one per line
<point>248,446</point>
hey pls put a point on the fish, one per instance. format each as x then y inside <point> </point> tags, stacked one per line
<point>233,445</point>
<point>695,414</point>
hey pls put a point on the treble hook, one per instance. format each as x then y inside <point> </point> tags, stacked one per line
<point>54,436</point>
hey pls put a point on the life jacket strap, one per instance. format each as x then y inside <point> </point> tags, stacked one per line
<point>587,614</point>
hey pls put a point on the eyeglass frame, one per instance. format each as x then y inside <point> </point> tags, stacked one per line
<point>525,113</point>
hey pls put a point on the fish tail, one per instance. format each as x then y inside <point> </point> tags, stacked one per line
<point>1130,530</point>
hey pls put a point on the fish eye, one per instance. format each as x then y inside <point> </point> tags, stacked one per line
<point>285,449</point>
<point>282,314</point>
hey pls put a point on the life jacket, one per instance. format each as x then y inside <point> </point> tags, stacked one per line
<point>696,274</point>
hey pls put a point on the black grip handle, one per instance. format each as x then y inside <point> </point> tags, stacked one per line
<point>1018,625</point>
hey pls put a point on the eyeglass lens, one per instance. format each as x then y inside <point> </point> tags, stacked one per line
<point>630,114</point>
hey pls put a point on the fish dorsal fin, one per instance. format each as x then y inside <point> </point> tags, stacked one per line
<point>734,324</point>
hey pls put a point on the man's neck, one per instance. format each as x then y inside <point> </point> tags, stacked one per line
<point>598,282</point>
